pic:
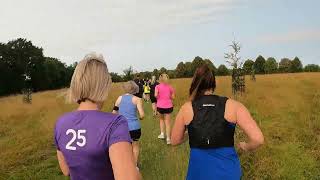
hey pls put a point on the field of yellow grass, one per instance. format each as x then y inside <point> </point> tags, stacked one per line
<point>286,107</point>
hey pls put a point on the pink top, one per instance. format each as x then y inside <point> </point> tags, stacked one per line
<point>164,95</point>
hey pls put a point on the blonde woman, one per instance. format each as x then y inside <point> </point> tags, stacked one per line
<point>92,144</point>
<point>153,98</point>
<point>165,94</point>
<point>128,105</point>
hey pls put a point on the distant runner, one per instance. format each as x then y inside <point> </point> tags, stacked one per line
<point>128,105</point>
<point>211,122</point>
<point>140,84</point>
<point>146,88</point>
<point>92,144</point>
<point>153,98</point>
<point>165,94</point>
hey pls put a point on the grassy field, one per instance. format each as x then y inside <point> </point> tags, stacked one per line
<point>286,107</point>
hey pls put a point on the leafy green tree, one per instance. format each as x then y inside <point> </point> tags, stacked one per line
<point>128,74</point>
<point>181,70</point>
<point>247,66</point>
<point>312,68</point>
<point>163,70</point>
<point>259,65</point>
<point>5,71</point>
<point>210,65</point>
<point>271,65</point>
<point>197,62</point>
<point>26,60</point>
<point>171,74</point>
<point>296,65</point>
<point>156,73</point>
<point>189,72</point>
<point>26,66</point>
<point>284,65</point>
<point>55,73</point>
<point>116,77</point>
<point>233,57</point>
<point>222,70</point>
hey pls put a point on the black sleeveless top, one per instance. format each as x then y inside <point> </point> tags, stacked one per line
<point>209,128</point>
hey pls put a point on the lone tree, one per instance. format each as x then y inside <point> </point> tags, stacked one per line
<point>27,91</point>
<point>238,74</point>
<point>128,74</point>
<point>253,73</point>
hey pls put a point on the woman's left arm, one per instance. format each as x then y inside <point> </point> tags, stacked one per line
<point>116,106</point>
<point>173,94</point>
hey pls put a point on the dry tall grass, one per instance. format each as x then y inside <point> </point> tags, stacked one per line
<point>286,106</point>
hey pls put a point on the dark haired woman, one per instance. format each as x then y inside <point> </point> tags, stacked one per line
<point>211,121</point>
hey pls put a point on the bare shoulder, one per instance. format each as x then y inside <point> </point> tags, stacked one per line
<point>118,100</point>
<point>187,106</point>
<point>136,100</point>
<point>233,104</point>
<point>232,107</point>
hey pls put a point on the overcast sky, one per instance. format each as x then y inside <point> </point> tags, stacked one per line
<point>150,34</point>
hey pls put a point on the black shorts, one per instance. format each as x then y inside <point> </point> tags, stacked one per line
<point>165,110</point>
<point>135,134</point>
<point>153,99</point>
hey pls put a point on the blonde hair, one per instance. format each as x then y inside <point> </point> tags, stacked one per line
<point>153,79</point>
<point>164,78</point>
<point>90,80</point>
<point>130,87</point>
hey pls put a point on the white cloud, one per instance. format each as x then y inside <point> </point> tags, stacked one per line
<point>293,36</point>
<point>68,29</point>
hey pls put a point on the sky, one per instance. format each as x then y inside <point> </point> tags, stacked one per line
<point>148,34</point>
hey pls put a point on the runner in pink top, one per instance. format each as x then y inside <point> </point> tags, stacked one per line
<point>165,94</point>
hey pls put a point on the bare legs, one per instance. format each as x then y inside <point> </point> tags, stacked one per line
<point>165,126</point>
<point>136,149</point>
<point>168,127</point>
<point>154,109</point>
<point>162,126</point>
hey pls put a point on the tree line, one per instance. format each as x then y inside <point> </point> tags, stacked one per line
<point>259,66</point>
<point>270,66</point>
<point>23,65</point>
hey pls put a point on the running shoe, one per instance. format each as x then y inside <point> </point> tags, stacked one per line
<point>161,136</point>
<point>168,141</point>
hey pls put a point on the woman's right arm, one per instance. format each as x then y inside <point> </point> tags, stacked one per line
<point>250,128</point>
<point>122,160</point>
<point>116,104</point>
<point>178,134</point>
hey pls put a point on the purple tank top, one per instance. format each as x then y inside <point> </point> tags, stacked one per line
<point>84,138</point>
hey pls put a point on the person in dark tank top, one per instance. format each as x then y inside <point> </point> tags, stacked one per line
<point>210,120</point>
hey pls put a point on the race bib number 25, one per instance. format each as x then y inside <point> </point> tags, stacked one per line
<point>78,136</point>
